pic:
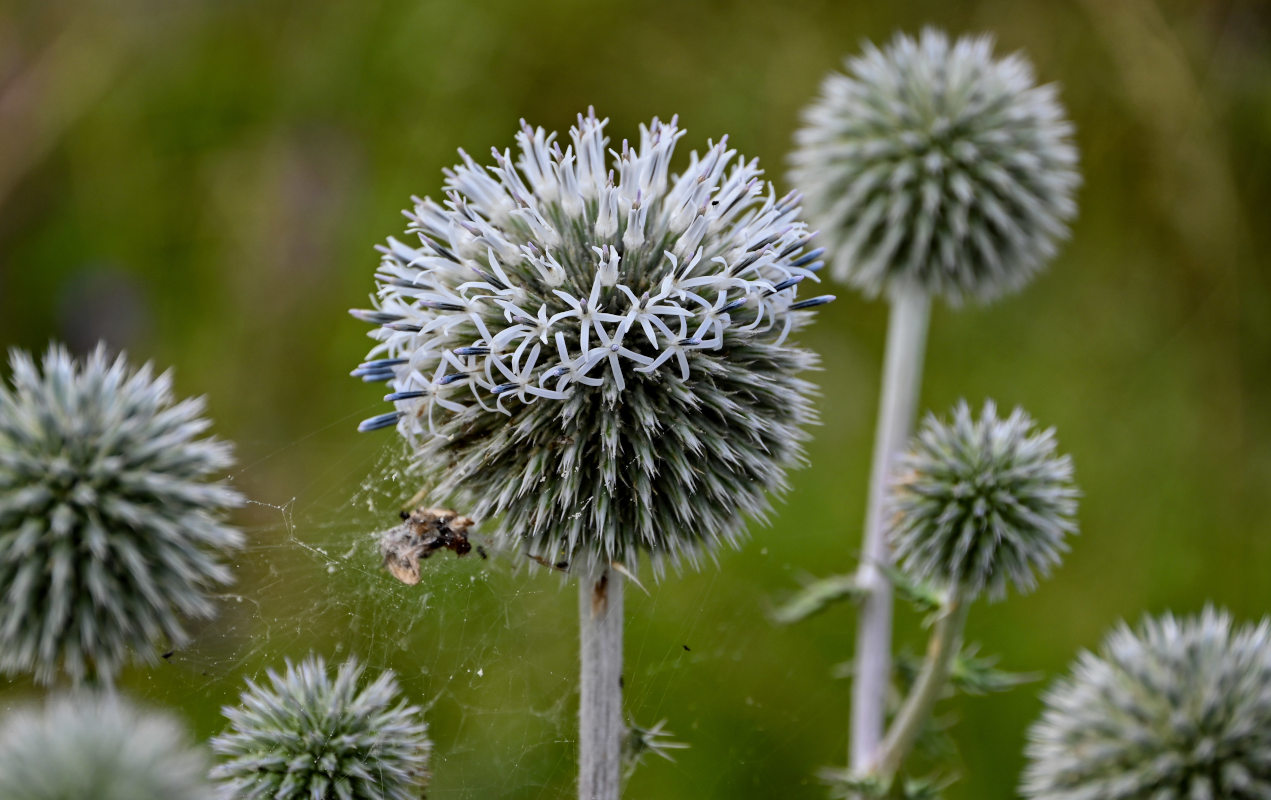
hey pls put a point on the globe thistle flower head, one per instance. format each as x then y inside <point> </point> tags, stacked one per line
<point>110,530</point>
<point>982,501</point>
<point>307,735</point>
<point>80,746</point>
<point>1176,710</point>
<point>932,165</point>
<point>596,353</point>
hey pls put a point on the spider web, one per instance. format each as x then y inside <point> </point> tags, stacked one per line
<point>488,648</point>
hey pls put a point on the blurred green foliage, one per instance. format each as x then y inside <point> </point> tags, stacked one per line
<point>202,182</point>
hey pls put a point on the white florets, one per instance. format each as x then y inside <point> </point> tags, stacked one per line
<point>931,164</point>
<point>554,278</point>
<point>1177,710</point>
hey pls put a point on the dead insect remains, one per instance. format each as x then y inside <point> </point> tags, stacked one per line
<point>423,532</point>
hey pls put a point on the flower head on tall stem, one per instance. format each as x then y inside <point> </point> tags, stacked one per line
<point>98,746</point>
<point>1178,709</point>
<point>595,352</point>
<point>308,735</point>
<point>932,165</point>
<point>980,502</point>
<point>110,529</point>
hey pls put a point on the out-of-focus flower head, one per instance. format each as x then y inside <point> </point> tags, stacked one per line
<point>930,164</point>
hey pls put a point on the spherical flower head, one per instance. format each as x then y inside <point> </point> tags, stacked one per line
<point>81,746</point>
<point>979,502</point>
<point>931,165</point>
<point>306,735</point>
<point>1177,710</point>
<point>596,354</point>
<point>111,531</point>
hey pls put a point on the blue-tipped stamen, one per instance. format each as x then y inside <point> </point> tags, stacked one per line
<point>378,364</point>
<point>376,371</point>
<point>750,258</point>
<point>491,279</point>
<point>808,258</point>
<point>381,421</point>
<point>411,395</point>
<point>811,302</point>
<point>438,249</point>
<point>795,247</point>
<point>764,242</point>
<point>374,317</point>
<point>441,305</point>
<point>472,351</point>
<point>787,283</point>
<point>446,380</point>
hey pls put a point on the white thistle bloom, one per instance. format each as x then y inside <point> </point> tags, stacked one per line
<point>1177,710</point>
<point>932,164</point>
<point>112,529</point>
<point>101,747</point>
<point>982,502</point>
<point>308,735</point>
<point>597,352</point>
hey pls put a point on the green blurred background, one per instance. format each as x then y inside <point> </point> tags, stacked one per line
<point>202,183</point>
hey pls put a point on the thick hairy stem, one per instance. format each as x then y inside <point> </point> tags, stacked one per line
<point>902,375</point>
<point>945,642</point>
<point>600,726</point>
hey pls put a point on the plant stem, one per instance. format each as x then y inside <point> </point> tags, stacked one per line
<point>902,375</point>
<point>945,642</point>
<point>600,726</point>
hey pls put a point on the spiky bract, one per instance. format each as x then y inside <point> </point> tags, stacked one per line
<point>306,735</point>
<point>110,530</point>
<point>932,165</point>
<point>1177,710</point>
<point>99,747</point>
<point>978,502</point>
<point>598,356</point>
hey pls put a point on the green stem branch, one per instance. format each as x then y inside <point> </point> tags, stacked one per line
<point>946,641</point>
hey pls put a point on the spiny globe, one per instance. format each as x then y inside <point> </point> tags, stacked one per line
<point>83,746</point>
<point>932,165</point>
<point>979,502</point>
<point>596,355</point>
<point>306,736</point>
<point>1177,710</point>
<point>111,531</point>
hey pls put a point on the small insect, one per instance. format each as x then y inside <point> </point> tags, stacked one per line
<point>423,532</point>
<point>561,565</point>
